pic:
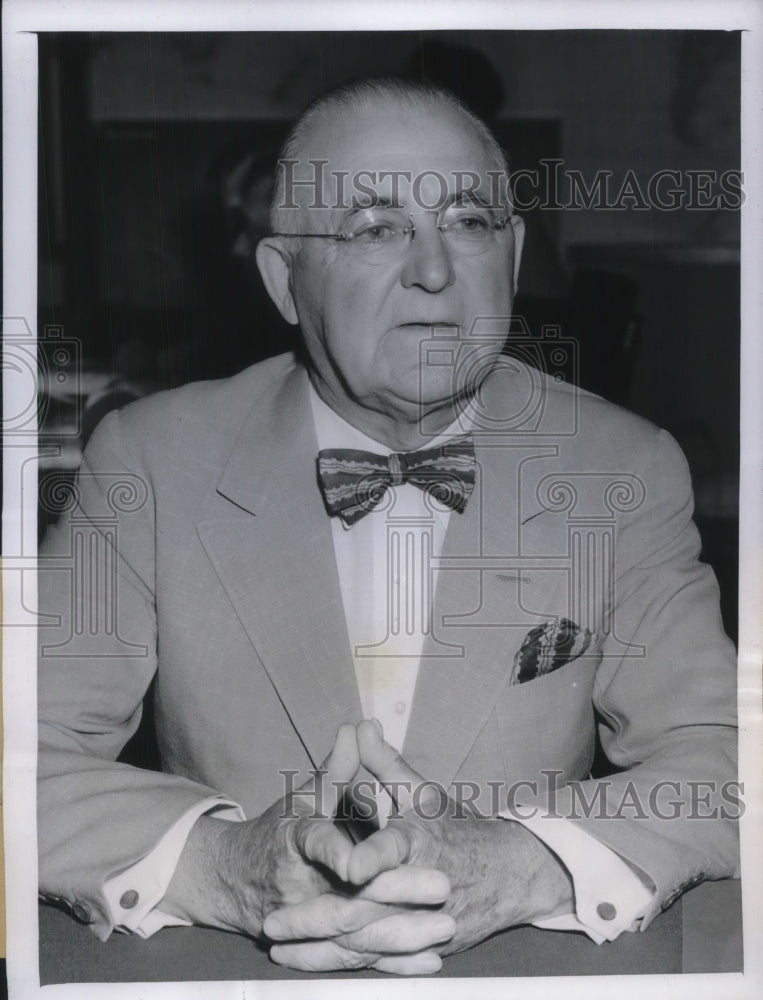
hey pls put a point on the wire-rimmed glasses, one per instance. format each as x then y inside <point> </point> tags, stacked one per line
<point>380,234</point>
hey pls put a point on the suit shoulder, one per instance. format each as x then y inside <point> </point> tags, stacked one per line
<point>199,419</point>
<point>202,400</point>
<point>611,439</point>
<point>199,407</point>
<point>601,424</point>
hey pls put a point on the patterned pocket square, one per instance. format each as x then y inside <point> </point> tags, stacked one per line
<point>548,647</point>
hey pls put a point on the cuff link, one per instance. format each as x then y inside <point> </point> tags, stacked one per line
<point>81,912</point>
<point>606,911</point>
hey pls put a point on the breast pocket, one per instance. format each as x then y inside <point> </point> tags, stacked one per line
<point>547,724</point>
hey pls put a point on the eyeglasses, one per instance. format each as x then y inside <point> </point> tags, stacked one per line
<point>379,235</point>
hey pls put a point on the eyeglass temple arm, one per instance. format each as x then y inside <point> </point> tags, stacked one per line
<point>315,236</point>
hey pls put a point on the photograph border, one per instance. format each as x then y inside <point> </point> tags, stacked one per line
<point>20,22</point>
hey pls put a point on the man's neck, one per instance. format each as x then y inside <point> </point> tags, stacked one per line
<point>403,432</point>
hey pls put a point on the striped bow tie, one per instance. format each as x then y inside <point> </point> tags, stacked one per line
<point>354,482</point>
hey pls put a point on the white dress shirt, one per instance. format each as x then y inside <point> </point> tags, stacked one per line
<point>383,562</point>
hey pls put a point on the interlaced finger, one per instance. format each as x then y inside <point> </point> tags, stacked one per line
<point>327,956</point>
<point>401,933</point>
<point>423,963</point>
<point>383,851</point>
<point>406,786</point>
<point>325,916</point>
<point>407,885</point>
<point>320,841</point>
<point>320,956</point>
<point>316,837</point>
<point>322,792</point>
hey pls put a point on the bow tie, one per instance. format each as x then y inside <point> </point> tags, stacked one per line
<point>354,482</point>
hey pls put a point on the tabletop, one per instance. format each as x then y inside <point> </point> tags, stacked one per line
<point>701,932</point>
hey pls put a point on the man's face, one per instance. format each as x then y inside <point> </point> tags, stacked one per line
<point>397,338</point>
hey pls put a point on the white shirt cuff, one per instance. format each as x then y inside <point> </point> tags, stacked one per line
<point>134,894</point>
<point>609,897</point>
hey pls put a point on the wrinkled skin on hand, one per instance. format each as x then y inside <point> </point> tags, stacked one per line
<point>295,857</point>
<point>500,875</point>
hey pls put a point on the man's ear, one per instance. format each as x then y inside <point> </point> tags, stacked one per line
<point>274,265</point>
<point>518,225</point>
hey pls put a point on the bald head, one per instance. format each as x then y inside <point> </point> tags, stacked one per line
<point>299,180</point>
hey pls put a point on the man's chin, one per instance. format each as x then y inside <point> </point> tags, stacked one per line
<point>426,403</point>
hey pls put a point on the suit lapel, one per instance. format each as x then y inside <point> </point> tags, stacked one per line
<point>275,559</point>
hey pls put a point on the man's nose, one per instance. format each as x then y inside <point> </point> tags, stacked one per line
<point>427,262</point>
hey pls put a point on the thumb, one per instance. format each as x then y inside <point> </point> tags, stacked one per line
<point>335,773</point>
<point>387,766</point>
<point>343,761</point>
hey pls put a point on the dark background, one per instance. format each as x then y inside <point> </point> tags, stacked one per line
<point>155,159</point>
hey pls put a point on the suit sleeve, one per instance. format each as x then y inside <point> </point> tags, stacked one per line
<point>665,697</point>
<point>97,657</point>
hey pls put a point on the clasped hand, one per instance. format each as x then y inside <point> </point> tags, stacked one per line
<point>498,875</point>
<point>292,875</point>
<point>428,883</point>
<point>382,913</point>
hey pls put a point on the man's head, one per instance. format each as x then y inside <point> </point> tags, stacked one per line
<point>403,330</point>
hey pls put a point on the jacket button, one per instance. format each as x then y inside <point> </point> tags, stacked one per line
<point>606,911</point>
<point>81,912</point>
<point>129,899</point>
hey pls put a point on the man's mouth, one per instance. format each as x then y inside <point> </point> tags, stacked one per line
<point>429,324</point>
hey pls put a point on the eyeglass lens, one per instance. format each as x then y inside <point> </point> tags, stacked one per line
<point>379,232</point>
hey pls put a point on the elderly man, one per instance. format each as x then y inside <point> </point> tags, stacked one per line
<point>401,533</point>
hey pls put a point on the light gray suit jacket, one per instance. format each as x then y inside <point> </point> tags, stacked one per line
<point>200,551</point>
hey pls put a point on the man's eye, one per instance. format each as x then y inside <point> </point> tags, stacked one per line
<point>469,224</point>
<point>380,232</point>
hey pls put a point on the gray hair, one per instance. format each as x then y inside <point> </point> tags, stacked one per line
<point>363,94</point>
